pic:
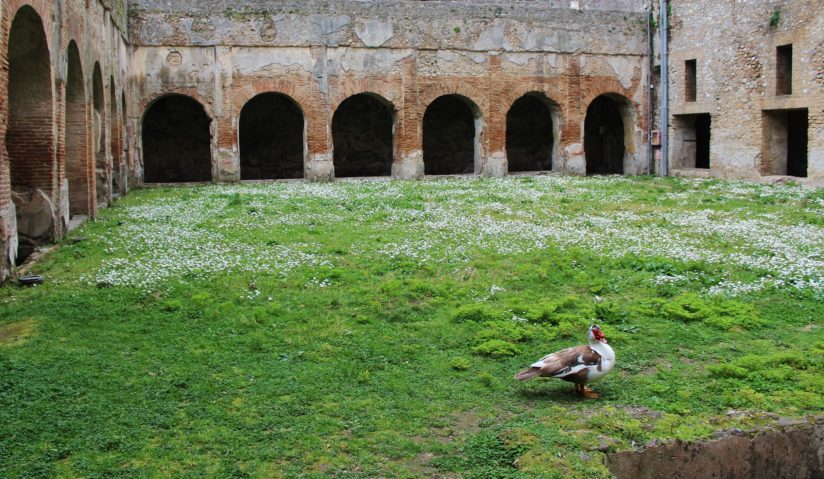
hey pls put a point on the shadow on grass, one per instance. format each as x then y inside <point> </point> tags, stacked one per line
<point>559,394</point>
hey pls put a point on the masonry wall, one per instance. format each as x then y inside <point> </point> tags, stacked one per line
<point>407,54</point>
<point>35,198</point>
<point>734,47</point>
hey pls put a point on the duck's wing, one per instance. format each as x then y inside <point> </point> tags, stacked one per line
<point>567,362</point>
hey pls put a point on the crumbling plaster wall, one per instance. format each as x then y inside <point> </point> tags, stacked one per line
<point>734,45</point>
<point>408,52</point>
<point>98,29</point>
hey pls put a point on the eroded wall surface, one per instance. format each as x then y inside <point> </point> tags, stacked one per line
<point>734,45</point>
<point>407,53</point>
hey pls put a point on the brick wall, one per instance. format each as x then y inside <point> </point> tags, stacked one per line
<point>45,115</point>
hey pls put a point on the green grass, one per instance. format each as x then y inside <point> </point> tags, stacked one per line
<point>371,328</point>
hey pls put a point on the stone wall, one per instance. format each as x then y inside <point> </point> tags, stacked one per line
<point>406,54</point>
<point>734,45</point>
<point>49,52</point>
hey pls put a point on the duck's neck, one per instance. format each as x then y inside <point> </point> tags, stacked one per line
<point>604,349</point>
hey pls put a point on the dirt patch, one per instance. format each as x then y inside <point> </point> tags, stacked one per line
<point>16,332</point>
<point>786,451</point>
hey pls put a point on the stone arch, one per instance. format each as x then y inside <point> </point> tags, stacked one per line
<point>30,141</point>
<point>452,132</point>
<point>176,141</point>
<point>608,134</point>
<point>99,139</point>
<point>77,164</point>
<point>272,138</point>
<point>363,127</point>
<point>533,130</point>
<point>116,141</point>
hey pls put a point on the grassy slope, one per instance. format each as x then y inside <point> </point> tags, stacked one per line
<point>364,329</point>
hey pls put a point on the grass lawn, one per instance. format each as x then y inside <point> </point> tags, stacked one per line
<point>363,329</point>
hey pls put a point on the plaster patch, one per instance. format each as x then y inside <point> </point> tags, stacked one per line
<point>374,33</point>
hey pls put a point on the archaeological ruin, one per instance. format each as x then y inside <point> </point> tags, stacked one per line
<point>100,96</point>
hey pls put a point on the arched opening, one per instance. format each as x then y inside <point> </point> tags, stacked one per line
<point>271,138</point>
<point>29,134</point>
<point>604,136</point>
<point>362,136</point>
<point>176,141</point>
<point>114,134</point>
<point>451,136</point>
<point>530,134</point>
<point>78,169</point>
<point>99,138</point>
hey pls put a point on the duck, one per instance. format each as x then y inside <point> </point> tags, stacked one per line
<point>579,364</point>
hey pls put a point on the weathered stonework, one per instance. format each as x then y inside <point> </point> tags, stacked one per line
<point>97,96</point>
<point>734,49</point>
<point>321,53</point>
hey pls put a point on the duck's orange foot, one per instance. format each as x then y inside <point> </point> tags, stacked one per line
<point>586,392</point>
<point>590,394</point>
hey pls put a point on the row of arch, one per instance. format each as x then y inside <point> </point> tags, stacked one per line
<point>40,156</point>
<point>272,137</point>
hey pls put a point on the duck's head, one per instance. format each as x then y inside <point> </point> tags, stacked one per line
<point>595,334</point>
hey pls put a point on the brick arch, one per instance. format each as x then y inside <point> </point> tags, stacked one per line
<point>592,88</point>
<point>242,93</point>
<point>378,87</point>
<point>518,90</point>
<point>452,87</point>
<point>191,92</point>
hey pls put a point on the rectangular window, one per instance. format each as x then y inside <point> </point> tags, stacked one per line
<point>784,70</point>
<point>690,80</point>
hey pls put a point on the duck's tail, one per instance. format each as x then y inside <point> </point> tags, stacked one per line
<point>528,374</point>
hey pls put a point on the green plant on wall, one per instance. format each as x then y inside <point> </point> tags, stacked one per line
<point>775,18</point>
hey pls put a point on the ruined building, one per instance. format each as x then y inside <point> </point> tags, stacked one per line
<point>99,96</point>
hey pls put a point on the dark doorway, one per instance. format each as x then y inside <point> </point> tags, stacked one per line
<point>797,128</point>
<point>78,169</point>
<point>691,145</point>
<point>785,142</point>
<point>362,136</point>
<point>29,133</point>
<point>604,137</point>
<point>529,135</point>
<point>450,136</point>
<point>271,138</point>
<point>176,141</point>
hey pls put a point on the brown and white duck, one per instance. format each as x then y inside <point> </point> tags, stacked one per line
<point>580,364</point>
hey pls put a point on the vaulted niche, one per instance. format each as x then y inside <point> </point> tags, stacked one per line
<point>604,137</point>
<point>78,168</point>
<point>362,134</point>
<point>271,138</point>
<point>530,134</point>
<point>29,134</point>
<point>176,141</point>
<point>451,136</point>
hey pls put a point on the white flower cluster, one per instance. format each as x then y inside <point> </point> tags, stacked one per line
<point>194,234</point>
